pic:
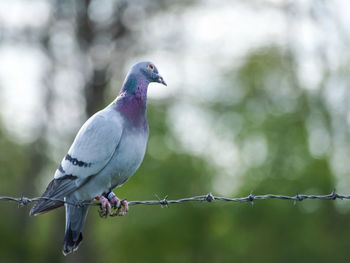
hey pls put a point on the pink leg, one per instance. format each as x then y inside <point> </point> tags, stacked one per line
<point>116,202</point>
<point>105,206</point>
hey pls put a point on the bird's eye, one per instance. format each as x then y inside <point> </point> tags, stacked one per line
<point>151,67</point>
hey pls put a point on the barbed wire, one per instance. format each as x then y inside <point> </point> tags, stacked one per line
<point>22,201</point>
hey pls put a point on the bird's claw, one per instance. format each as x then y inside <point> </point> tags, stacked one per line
<point>117,203</point>
<point>114,202</point>
<point>106,207</point>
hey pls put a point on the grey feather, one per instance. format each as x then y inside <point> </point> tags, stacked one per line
<point>75,219</point>
<point>93,146</point>
<point>91,150</point>
<point>57,189</point>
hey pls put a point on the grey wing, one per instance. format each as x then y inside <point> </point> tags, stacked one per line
<point>93,146</point>
<point>90,152</point>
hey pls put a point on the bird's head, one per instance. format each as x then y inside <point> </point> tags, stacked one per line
<point>149,71</point>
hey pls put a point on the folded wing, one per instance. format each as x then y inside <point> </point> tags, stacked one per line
<point>93,146</point>
<point>90,152</point>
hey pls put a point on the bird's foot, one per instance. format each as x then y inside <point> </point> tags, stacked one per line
<point>112,201</point>
<point>117,203</point>
<point>106,207</point>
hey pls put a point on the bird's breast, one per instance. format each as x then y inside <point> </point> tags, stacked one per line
<point>128,156</point>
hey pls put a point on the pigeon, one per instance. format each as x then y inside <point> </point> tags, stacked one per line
<point>106,152</point>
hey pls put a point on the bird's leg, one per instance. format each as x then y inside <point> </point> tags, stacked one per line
<point>105,206</point>
<point>117,203</point>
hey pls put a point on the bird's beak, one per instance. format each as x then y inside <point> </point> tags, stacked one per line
<point>161,80</point>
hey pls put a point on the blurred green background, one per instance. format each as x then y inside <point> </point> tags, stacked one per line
<point>257,100</point>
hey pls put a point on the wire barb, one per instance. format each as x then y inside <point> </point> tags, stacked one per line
<point>209,198</point>
<point>23,201</point>
<point>163,202</point>
<point>334,195</point>
<point>251,198</point>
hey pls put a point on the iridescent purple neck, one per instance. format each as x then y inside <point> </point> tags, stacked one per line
<point>135,85</point>
<point>132,99</point>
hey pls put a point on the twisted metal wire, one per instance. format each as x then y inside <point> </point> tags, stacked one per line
<point>22,201</point>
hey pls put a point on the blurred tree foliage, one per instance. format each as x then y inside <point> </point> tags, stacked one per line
<point>273,107</point>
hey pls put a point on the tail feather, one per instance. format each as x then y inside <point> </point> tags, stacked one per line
<point>75,219</point>
<point>57,189</point>
<point>71,245</point>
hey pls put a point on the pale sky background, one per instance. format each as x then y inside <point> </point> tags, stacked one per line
<point>214,33</point>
